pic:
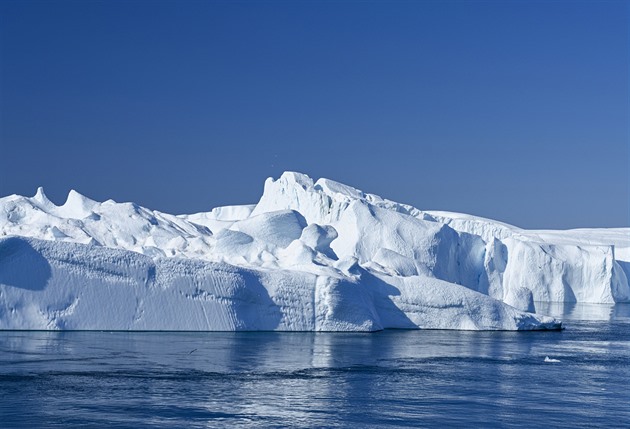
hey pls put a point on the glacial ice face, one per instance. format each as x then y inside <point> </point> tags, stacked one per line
<point>59,285</point>
<point>310,255</point>
<point>581,265</point>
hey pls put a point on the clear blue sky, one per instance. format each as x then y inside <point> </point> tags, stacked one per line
<point>515,110</point>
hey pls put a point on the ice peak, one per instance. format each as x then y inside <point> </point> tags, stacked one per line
<point>74,196</point>
<point>77,205</point>
<point>330,187</point>
<point>40,197</point>
<point>293,177</point>
<point>320,202</point>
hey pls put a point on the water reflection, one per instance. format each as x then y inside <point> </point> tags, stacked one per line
<point>581,311</point>
<point>264,352</point>
<point>391,378</point>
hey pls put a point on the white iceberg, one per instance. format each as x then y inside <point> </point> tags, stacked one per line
<point>309,256</point>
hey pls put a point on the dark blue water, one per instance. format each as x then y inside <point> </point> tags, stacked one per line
<point>386,379</point>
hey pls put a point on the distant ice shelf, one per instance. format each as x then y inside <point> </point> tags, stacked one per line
<point>309,256</point>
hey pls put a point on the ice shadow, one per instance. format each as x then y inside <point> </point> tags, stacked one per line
<point>370,299</point>
<point>22,266</point>
<point>253,307</point>
<point>625,266</point>
<point>366,303</point>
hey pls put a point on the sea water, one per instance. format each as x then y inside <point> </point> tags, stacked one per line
<point>575,378</point>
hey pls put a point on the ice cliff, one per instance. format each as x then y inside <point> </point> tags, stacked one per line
<point>308,256</point>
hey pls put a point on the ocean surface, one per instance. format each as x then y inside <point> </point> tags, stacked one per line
<point>576,378</point>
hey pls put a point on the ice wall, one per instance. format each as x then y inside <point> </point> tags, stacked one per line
<point>56,285</point>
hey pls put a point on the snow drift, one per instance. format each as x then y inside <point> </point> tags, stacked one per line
<point>308,256</point>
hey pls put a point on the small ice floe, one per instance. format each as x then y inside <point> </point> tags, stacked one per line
<point>550,360</point>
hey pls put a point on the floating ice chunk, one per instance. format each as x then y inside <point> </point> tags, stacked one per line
<point>550,360</point>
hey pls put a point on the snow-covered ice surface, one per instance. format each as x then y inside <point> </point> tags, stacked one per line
<point>309,256</point>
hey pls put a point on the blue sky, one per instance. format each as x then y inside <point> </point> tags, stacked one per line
<point>515,110</point>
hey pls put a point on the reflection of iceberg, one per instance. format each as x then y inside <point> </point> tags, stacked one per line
<point>585,311</point>
<point>621,312</point>
<point>308,256</point>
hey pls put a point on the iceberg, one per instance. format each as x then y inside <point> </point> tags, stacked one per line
<point>308,256</point>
